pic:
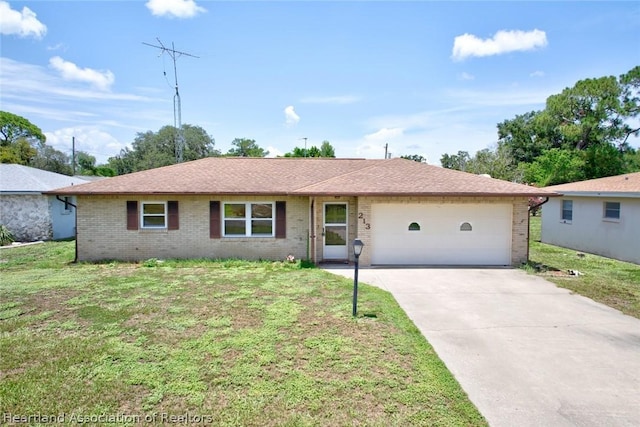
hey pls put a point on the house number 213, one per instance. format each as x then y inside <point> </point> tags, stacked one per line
<point>367,226</point>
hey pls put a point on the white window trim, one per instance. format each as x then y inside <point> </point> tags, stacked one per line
<point>604,212</point>
<point>142,215</point>
<point>247,219</point>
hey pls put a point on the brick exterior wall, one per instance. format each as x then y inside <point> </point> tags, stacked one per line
<point>103,235</point>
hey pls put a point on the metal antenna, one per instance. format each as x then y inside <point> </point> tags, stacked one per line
<point>177,107</point>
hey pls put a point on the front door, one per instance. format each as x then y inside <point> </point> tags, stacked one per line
<point>335,231</point>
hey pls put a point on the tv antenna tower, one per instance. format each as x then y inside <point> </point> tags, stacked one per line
<point>177,108</point>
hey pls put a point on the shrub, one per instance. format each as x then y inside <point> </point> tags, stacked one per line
<point>6,238</point>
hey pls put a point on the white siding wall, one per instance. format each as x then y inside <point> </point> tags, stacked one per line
<point>589,232</point>
<point>63,220</point>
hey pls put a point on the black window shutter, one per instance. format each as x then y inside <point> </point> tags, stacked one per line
<point>132,215</point>
<point>173,219</point>
<point>281,220</point>
<point>214,220</point>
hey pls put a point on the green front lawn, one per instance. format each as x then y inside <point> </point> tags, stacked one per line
<point>611,282</point>
<point>225,342</point>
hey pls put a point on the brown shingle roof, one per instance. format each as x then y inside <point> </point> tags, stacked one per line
<point>300,176</point>
<point>628,183</point>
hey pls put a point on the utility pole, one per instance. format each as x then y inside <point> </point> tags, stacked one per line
<point>305,146</point>
<point>386,147</point>
<point>177,107</point>
<point>73,156</point>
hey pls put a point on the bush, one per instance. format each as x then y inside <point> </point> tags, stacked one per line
<point>6,238</point>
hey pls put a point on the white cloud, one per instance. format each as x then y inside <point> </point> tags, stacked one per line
<point>70,71</point>
<point>384,134</point>
<point>466,76</point>
<point>343,99</point>
<point>22,24</point>
<point>468,45</point>
<point>537,74</point>
<point>174,8</point>
<point>290,116</point>
<point>90,139</point>
<point>274,152</point>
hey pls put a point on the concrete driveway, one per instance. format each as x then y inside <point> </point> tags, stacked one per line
<point>526,352</point>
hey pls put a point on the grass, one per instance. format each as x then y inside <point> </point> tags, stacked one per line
<point>220,342</point>
<point>611,282</point>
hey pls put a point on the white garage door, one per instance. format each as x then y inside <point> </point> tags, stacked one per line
<point>448,234</point>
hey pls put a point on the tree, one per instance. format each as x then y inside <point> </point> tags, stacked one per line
<point>555,166</point>
<point>243,147</point>
<point>19,152</point>
<point>19,139</point>
<point>85,164</point>
<point>591,113</point>
<point>14,128</point>
<point>155,149</point>
<point>325,150</point>
<point>415,157</point>
<point>52,160</point>
<point>497,163</point>
<point>455,161</point>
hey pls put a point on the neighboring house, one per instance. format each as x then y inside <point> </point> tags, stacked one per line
<point>599,216</point>
<point>27,212</point>
<point>405,212</point>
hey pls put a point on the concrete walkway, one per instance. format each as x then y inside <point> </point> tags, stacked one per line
<point>526,352</point>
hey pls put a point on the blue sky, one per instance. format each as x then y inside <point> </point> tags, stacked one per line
<point>423,77</point>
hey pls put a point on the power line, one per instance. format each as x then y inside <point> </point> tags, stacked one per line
<point>177,106</point>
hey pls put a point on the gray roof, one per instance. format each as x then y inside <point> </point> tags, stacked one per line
<point>24,179</point>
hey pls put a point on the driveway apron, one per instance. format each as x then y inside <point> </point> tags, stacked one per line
<point>526,352</point>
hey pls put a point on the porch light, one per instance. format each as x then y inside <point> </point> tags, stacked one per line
<point>357,250</point>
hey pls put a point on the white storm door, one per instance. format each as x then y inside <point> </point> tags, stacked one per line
<point>335,231</point>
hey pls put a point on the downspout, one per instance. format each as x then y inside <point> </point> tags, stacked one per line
<point>66,205</point>
<point>311,235</point>
<point>546,199</point>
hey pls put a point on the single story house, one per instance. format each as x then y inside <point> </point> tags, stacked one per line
<point>27,212</point>
<point>599,216</point>
<point>405,212</point>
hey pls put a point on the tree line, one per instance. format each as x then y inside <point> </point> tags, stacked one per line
<point>582,133</point>
<point>23,143</point>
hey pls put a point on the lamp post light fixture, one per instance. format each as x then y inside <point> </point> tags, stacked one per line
<point>357,250</point>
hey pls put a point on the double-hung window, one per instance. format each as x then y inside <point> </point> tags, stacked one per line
<point>153,215</point>
<point>250,219</point>
<point>567,210</point>
<point>611,210</point>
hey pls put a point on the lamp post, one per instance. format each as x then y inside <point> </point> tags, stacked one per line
<point>357,250</point>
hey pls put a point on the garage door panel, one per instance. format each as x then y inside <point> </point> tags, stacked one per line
<point>439,240</point>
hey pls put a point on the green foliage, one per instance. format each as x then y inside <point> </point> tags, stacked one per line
<point>14,128</point>
<point>554,166</point>
<point>242,343</point>
<point>325,150</point>
<point>20,152</point>
<point>243,147</point>
<point>415,157</point>
<point>6,237</point>
<point>608,281</point>
<point>155,149</point>
<point>581,134</point>
<point>496,163</point>
<point>52,160</point>
<point>455,161</point>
